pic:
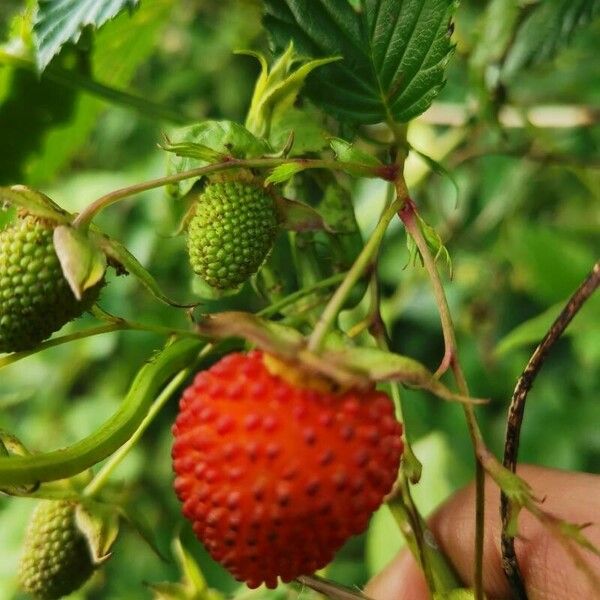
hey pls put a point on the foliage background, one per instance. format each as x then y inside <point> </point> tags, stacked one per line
<point>522,235</point>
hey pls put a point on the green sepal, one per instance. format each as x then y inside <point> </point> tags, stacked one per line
<point>347,152</point>
<point>434,241</point>
<point>348,366</point>
<point>205,291</point>
<point>129,264</point>
<point>99,524</point>
<point>285,172</point>
<point>198,152</point>
<point>276,89</point>
<point>83,263</point>
<point>357,162</point>
<point>34,203</point>
<point>380,365</point>
<point>193,585</point>
<point>206,143</point>
<point>267,335</point>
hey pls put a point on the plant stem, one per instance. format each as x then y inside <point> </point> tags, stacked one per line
<point>85,217</point>
<point>516,412</point>
<point>451,359</point>
<point>352,276</point>
<point>115,460</point>
<point>332,590</point>
<point>298,295</point>
<point>74,459</point>
<point>114,324</point>
<point>57,341</point>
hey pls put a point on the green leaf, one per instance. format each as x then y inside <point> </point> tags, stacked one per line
<point>338,211</point>
<point>529,332</point>
<point>307,128</point>
<point>548,261</point>
<point>31,107</point>
<point>533,330</point>
<point>548,28</point>
<point>192,150</point>
<point>194,145</point>
<point>60,21</point>
<point>82,263</point>
<point>100,525</point>
<point>394,53</point>
<point>48,122</point>
<point>495,33</point>
<point>297,216</point>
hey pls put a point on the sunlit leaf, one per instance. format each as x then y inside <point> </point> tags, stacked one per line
<point>394,53</point>
<point>60,21</point>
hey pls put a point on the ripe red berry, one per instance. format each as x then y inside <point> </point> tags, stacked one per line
<point>274,477</point>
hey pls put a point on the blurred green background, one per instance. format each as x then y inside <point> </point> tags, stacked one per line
<point>522,234</point>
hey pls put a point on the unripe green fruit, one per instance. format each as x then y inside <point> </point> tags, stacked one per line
<point>56,557</point>
<point>35,297</point>
<point>231,233</point>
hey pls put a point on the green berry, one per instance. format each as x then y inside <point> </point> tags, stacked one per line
<point>56,557</point>
<point>35,297</point>
<point>231,233</point>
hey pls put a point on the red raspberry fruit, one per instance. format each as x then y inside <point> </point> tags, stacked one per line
<point>274,477</point>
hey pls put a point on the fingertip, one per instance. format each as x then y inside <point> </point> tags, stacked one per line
<point>402,579</point>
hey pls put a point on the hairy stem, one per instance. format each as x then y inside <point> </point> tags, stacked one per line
<point>451,359</point>
<point>516,412</point>
<point>87,215</point>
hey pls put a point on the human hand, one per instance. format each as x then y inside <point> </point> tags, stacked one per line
<point>548,570</point>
